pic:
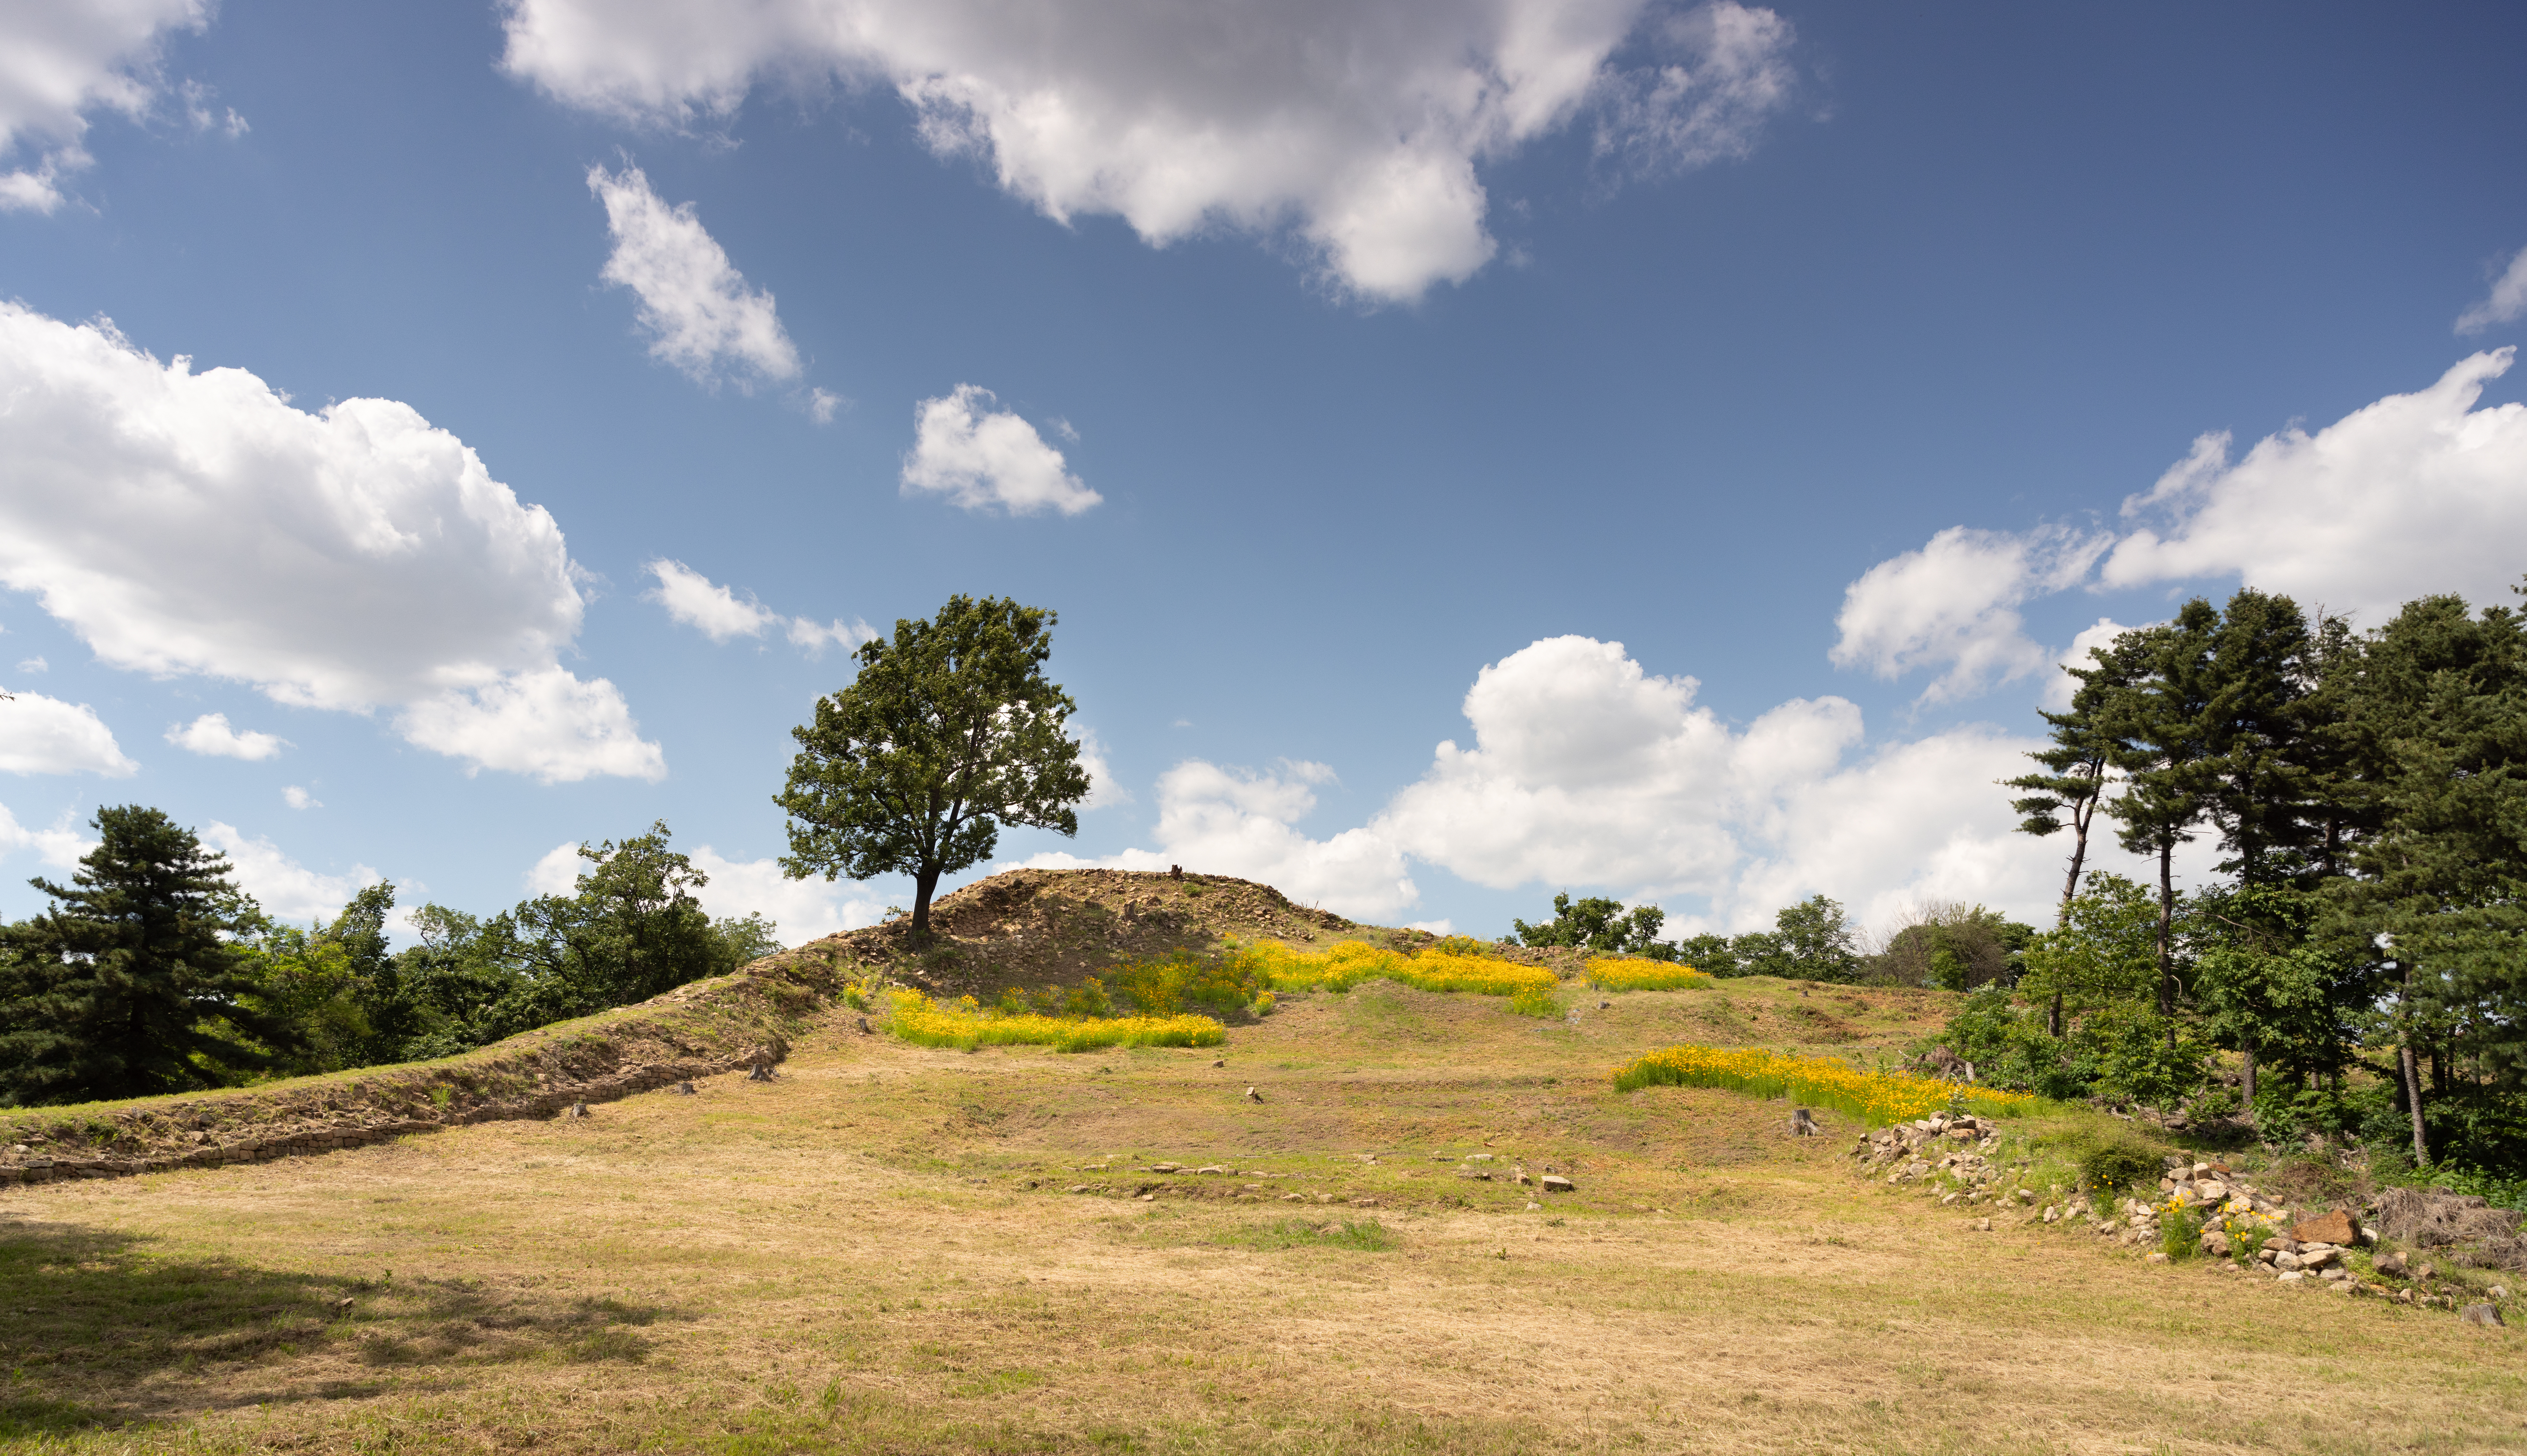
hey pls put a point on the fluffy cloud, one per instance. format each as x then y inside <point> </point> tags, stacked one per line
<point>349,559</point>
<point>1955,601</point>
<point>2507,303</point>
<point>699,314</point>
<point>2091,640</point>
<point>980,457</point>
<point>2417,493</point>
<point>286,888</point>
<point>1232,821</point>
<point>1354,130</point>
<point>298,798</point>
<point>1589,772</point>
<point>210,734</point>
<point>47,736</point>
<point>65,62</point>
<point>696,601</point>
<point>803,909</point>
<point>58,846</point>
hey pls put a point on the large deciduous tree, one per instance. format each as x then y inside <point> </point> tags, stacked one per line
<point>950,731</point>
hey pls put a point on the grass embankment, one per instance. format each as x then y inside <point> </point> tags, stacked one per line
<point>879,1252</point>
<point>1872,1098</point>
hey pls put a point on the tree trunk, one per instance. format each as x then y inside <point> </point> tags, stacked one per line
<point>2053,1019</point>
<point>2166,931</point>
<point>2248,1052</point>
<point>924,885</point>
<point>2414,1101</point>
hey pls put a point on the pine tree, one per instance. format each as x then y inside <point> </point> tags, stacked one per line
<point>127,987</point>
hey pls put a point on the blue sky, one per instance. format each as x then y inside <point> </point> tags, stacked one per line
<point>1399,359</point>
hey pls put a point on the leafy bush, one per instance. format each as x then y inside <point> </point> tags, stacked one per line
<point>2180,1232</point>
<point>1185,981</point>
<point>2114,1162</point>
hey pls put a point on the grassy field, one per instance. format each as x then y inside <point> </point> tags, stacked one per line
<point>881,1251</point>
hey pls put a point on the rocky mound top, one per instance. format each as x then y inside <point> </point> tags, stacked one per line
<point>1034,927</point>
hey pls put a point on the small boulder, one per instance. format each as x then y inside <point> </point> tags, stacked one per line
<point>2286,1260</point>
<point>2481,1314</point>
<point>1209,1170</point>
<point>2215,1243</point>
<point>1555,1183</point>
<point>1253,1095</point>
<point>1163,1167</point>
<point>2332,1228</point>
<point>2318,1256</point>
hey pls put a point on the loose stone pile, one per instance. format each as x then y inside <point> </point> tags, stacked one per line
<point>2241,1228</point>
<point>1938,1148</point>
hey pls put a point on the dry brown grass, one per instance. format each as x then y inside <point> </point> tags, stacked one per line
<point>876,1252</point>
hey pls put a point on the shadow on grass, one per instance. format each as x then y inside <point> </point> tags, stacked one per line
<point>103,1328</point>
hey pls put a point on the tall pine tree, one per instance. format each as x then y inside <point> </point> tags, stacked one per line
<point>127,987</point>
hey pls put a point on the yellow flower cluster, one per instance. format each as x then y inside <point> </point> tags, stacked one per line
<point>925,1022</point>
<point>1631,974</point>
<point>1875,1098</point>
<point>1351,962</point>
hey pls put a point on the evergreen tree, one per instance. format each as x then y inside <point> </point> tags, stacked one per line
<point>128,985</point>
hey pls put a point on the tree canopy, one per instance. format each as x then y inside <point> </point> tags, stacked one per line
<point>950,731</point>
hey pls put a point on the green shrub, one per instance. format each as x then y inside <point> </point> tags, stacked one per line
<point>1185,981</point>
<point>2115,1161</point>
<point>2180,1233</point>
<point>1534,1001</point>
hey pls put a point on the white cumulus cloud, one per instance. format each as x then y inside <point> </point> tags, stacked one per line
<point>210,734</point>
<point>2507,303</point>
<point>62,62</point>
<point>696,601</point>
<point>349,559</point>
<point>286,888</point>
<point>47,736</point>
<point>1222,820</point>
<point>2414,494</point>
<point>803,909</point>
<point>1354,130</point>
<point>1955,602</point>
<point>1588,771</point>
<point>696,306</point>
<point>980,457</point>
<point>58,846</point>
<point>299,798</point>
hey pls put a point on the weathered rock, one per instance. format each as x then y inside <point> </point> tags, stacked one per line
<point>2481,1314</point>
<point>1253,1095</point>
<point>1199,1171</point>
<point>2157,1258</point>
<point>2215,1243</point>
<point>2289,1277</point>
<point>1164,1167</point>
<point>2318,1256</point>
<point>1555,1183</point>
<point>2286,1260</point>
<point>2332,1228</point>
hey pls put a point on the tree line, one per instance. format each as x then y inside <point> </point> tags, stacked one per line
<point>2361,956</point>
<point>1950,946</point>
<point>151,971</point>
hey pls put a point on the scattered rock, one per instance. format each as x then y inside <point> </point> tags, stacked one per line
<point>1222,1061</point>
<point>577,1110</point>
<point>2334,1228</point>
<point>2481,1314</point>
<point>2215,1243</point>
<point>1209,1170</point>
<point>763,1071</point>
<point>864,1027</point>
<point>1253,1095</point>
<point>1555,1183</point>
<point>684,1089</point>
<point>2318,1256</point>
<point>1164,1167</point>
<point>2157,1258</point>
